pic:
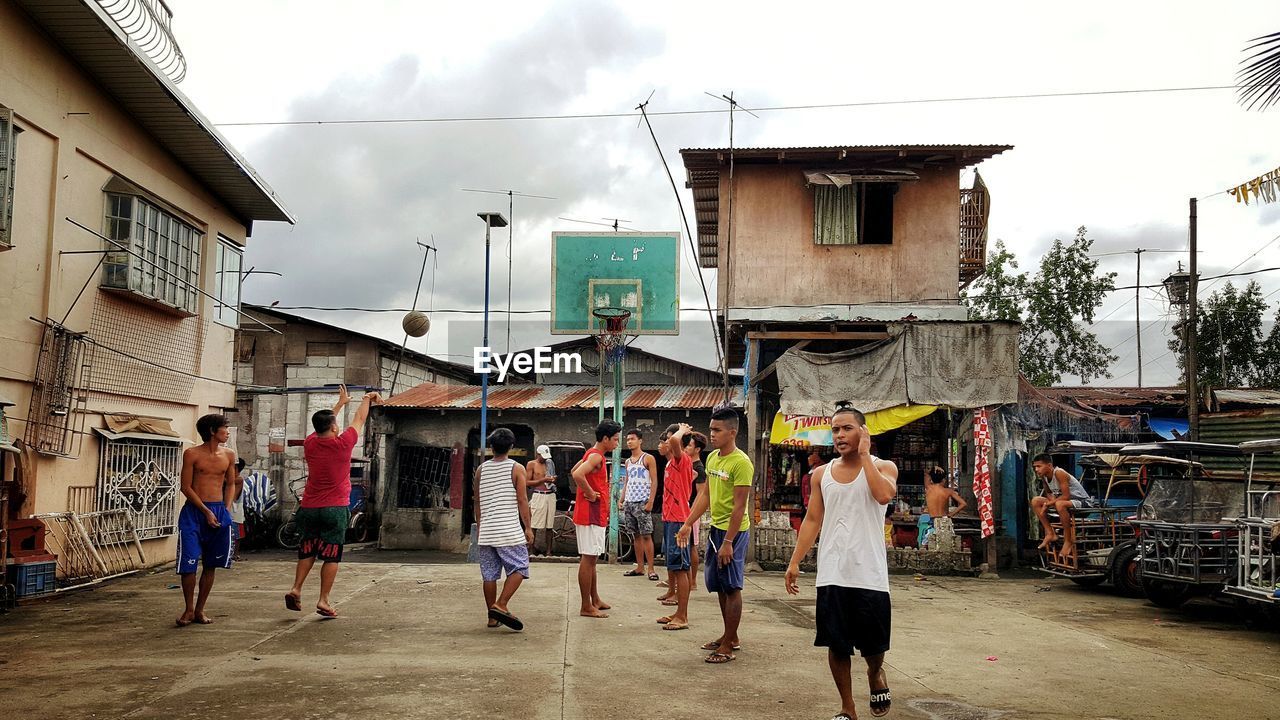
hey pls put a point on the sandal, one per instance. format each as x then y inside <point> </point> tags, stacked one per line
<point>880,701</point>
<point>632,573</point>
<point>293,602</point>
<point>716,643</point>
<point>676,626</point>
<point>654,577</point>
<point>719,658</point>
<point>506,618</point>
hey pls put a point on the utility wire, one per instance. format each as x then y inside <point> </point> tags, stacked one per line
<point>716,111</point>
<point>459,311</point>
<point>697,264</point>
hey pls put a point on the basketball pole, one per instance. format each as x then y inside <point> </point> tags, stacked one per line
<point>616,484</point>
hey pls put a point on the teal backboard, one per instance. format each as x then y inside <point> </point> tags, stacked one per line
<point>639,271</point>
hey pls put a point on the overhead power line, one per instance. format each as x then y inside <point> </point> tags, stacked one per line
<point>721,111</point>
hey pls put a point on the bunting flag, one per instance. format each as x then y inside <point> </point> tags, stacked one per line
<point>982,470</point>
<point>1262,188</point>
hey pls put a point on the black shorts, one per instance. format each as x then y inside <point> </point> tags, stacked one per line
<point>853,618</point>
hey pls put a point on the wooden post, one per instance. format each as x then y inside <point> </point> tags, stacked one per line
<point>753,443</point>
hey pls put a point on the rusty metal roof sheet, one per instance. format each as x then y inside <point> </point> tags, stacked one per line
<point>560,397</point>
<point>1116,396</point>
<point>1254,396</point>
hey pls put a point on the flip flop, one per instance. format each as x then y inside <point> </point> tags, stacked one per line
<point>506,618</point>
<point>663,583</point>
<point>676,626</point>
<point>330,613</point>
<point>719,658</point>
<point>632,573</point>
<point>715,644</point>
<point>880,702</point>
<point>664,619</point>
<point>670,603</point>
<point>653,577</point>
<point>293,602</point>
<point>842,716</point>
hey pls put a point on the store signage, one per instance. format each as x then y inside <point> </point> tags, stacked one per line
<point>800,430</point>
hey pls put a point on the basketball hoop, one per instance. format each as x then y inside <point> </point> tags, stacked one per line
<point>612,339</point>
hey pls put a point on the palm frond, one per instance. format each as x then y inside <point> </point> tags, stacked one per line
<point>1258,82</point>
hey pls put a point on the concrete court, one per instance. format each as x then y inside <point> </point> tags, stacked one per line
<point>412,644</point>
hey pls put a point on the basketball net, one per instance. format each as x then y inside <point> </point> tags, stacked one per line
<point>612,340</point>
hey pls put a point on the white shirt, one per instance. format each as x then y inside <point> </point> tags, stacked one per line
<point>851,549</point>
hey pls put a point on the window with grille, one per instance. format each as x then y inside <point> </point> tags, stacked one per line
<point>423,476</point>
<point>8,171</point>
<point>164,258</point>
<point>143,477</point>
<point>226,282</point>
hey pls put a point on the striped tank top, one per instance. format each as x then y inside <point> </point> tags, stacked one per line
<point>499,510</point>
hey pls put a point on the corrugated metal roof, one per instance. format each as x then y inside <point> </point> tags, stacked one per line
<point>122,69</point>
<point>1116,396</point>
<point>559,397</point>
<point>1248,397</point>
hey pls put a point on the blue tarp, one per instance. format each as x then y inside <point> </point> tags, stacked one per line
<point>1168,428</point>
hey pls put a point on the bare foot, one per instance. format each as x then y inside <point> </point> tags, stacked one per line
<point>186,618</point>
<point>1068,549</point>
<point>593,613</point>
<point>600,605</point>
<point>201,618</point>
<point>1048,541</point>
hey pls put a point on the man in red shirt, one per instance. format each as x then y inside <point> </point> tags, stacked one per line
<point>324,512</point>
<point>591,514</point>
<point>677,485</point>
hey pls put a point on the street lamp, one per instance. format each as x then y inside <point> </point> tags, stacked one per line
<point>491,220</point>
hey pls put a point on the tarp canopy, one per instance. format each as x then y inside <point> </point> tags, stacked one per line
<point>961,365</point>
<point>138,427</point>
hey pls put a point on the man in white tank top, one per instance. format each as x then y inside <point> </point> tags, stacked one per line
<point>847,505</point>
<point>635,507</point>
<point>502,514</point>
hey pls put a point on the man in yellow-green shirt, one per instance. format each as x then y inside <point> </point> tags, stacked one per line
<point>729,477</point>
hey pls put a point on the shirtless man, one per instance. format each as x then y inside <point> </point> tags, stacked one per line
<point>210,484</point>
<point>938,497</point>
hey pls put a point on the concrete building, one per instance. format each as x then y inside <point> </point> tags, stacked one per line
<point>839,277</point>
<point>123,217</point>
<point>291,370</point>
<point>433,442</point>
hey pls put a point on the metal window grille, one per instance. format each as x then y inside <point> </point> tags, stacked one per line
<point>8,167</point>
<point>142,477</point>
<point>171,271</point>
<point>55,417</point>
<point>422,477</point>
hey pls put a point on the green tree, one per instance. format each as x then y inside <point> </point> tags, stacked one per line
<point>1229,339</point>
<point>1267,370</point>
<point>1055,307</point>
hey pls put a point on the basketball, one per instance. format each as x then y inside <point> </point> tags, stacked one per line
<point>416,323</point>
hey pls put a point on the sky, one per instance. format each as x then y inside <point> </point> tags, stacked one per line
<point>1121,165</point>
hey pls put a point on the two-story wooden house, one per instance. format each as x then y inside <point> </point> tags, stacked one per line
<point>839,277</point>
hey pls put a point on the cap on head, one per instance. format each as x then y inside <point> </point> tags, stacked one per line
<point>544,452</point>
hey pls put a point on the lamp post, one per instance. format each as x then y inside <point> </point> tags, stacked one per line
<point>491,220</point>
<point>1180,288</point>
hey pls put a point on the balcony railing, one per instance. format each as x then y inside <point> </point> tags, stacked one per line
<point>149,23</point>
<point>975,204</point>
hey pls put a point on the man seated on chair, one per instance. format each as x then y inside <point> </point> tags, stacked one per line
<point>1062,492</point>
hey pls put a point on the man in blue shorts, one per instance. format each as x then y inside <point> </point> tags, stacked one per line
<point>209,483</point>
<point>729,476</point>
